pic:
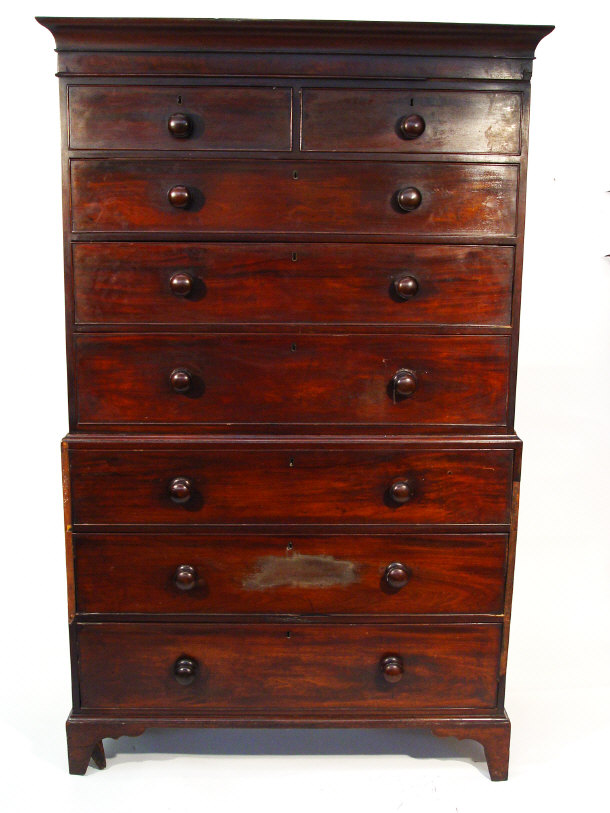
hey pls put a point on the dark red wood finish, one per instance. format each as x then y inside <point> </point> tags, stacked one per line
<point>319,283</point>
<point>282,388</point>
<point>233,485</point>
<point>123,196</point>
<point>358,120</point>
<point>274,668</point>
<point>251,573</point>
<point>220,118</point>
<point>291,379</point>
<point>166,35</point>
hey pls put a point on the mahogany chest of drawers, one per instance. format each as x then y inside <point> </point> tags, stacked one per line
<point>293,266</point>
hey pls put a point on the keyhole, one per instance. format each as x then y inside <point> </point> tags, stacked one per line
<point>289,546</point>
<point>179,100</point>
<point>293,348</point>
<point>294,257</point>
<point>411,102</point>
<point>291,462</point>
<point>295,175</point>
<point>288,634</point>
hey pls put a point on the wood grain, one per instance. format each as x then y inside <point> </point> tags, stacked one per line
<point>251,573</point>
<point>222,118</point>
<point>310,487</point>
<point>301,380</point>
<point>313,523</point>
<point>363,120</point>
<point>281,667</point>
<point>122,196</point>
<point>129,283</point>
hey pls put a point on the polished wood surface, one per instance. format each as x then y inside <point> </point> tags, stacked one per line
<point>179,118</point>
<point>411,120</point>
<point>325,573</point>
<point>100,34</point>
<point>123,196</point>
<point>293,379</point>
<point>281,667</point>
<point>293,255</point>
<point>317,283</point>
<point>309,487</point>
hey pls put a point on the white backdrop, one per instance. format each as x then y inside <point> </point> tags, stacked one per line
<point>559,664</point>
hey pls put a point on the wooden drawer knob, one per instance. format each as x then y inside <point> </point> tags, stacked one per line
<point>181,489</point>
<point>404,383</point>
<point>180,379</point>
<point>396,575</point>
<point>411,126</point>
<point>179,197</point>
<point>185,577</point>
<point>185,670</point>
<point>392,668</point>
<point>179,125</point>
<point>401,491</point>
<point>408,199</point>
<point>406,287</point>
<point>181,284</point>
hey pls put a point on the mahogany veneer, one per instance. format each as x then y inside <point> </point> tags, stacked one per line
<point>293,272</point>
<point>211,284</point>
<point>219,197</point>
<point>274,667</point>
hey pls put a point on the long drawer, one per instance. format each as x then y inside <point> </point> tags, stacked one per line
<point>269,668</point>
<point>292,379</point>
<point>228,283</point>
<point>251,573</point>
<point>325,197</point>
<point>233,485</point>
<point>132,117</point>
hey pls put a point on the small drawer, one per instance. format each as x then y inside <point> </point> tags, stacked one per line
<point>270,668</point>
<point>174,118</point>
<point>290,197</point>
<point>305,380</point>
<point>232,485</point>
<point>411,121</point>
<point>228,283</point>
<point>251,573</point>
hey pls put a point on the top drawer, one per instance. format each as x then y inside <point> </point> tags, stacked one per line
<point>366,120</point>
<point>171,118</point>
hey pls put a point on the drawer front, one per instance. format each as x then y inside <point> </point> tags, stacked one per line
<point>293,379</point>
<point>114,195</point>
<point>411,121</point>
<point>271,668</point>
<point>158,573</point>
<point>174,118</point>
<point>120,283</point>
<point>234,486</point>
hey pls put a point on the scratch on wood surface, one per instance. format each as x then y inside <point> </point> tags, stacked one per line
<point>301,570</point>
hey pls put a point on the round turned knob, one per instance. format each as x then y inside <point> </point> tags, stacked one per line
<point>401,491</point>
<point>185,577</point>
<point>406,287</point>
<point>392,668</point>
<point>181,489</point>
<point>396,575</point>
<point>412,126</point>
<point>180,379</point>
<point>408,198</point>
<point>181,284</point>
<point>179,125</point>
<point>185,670</point>
<point>179,197</point>
<point>404,382</point>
